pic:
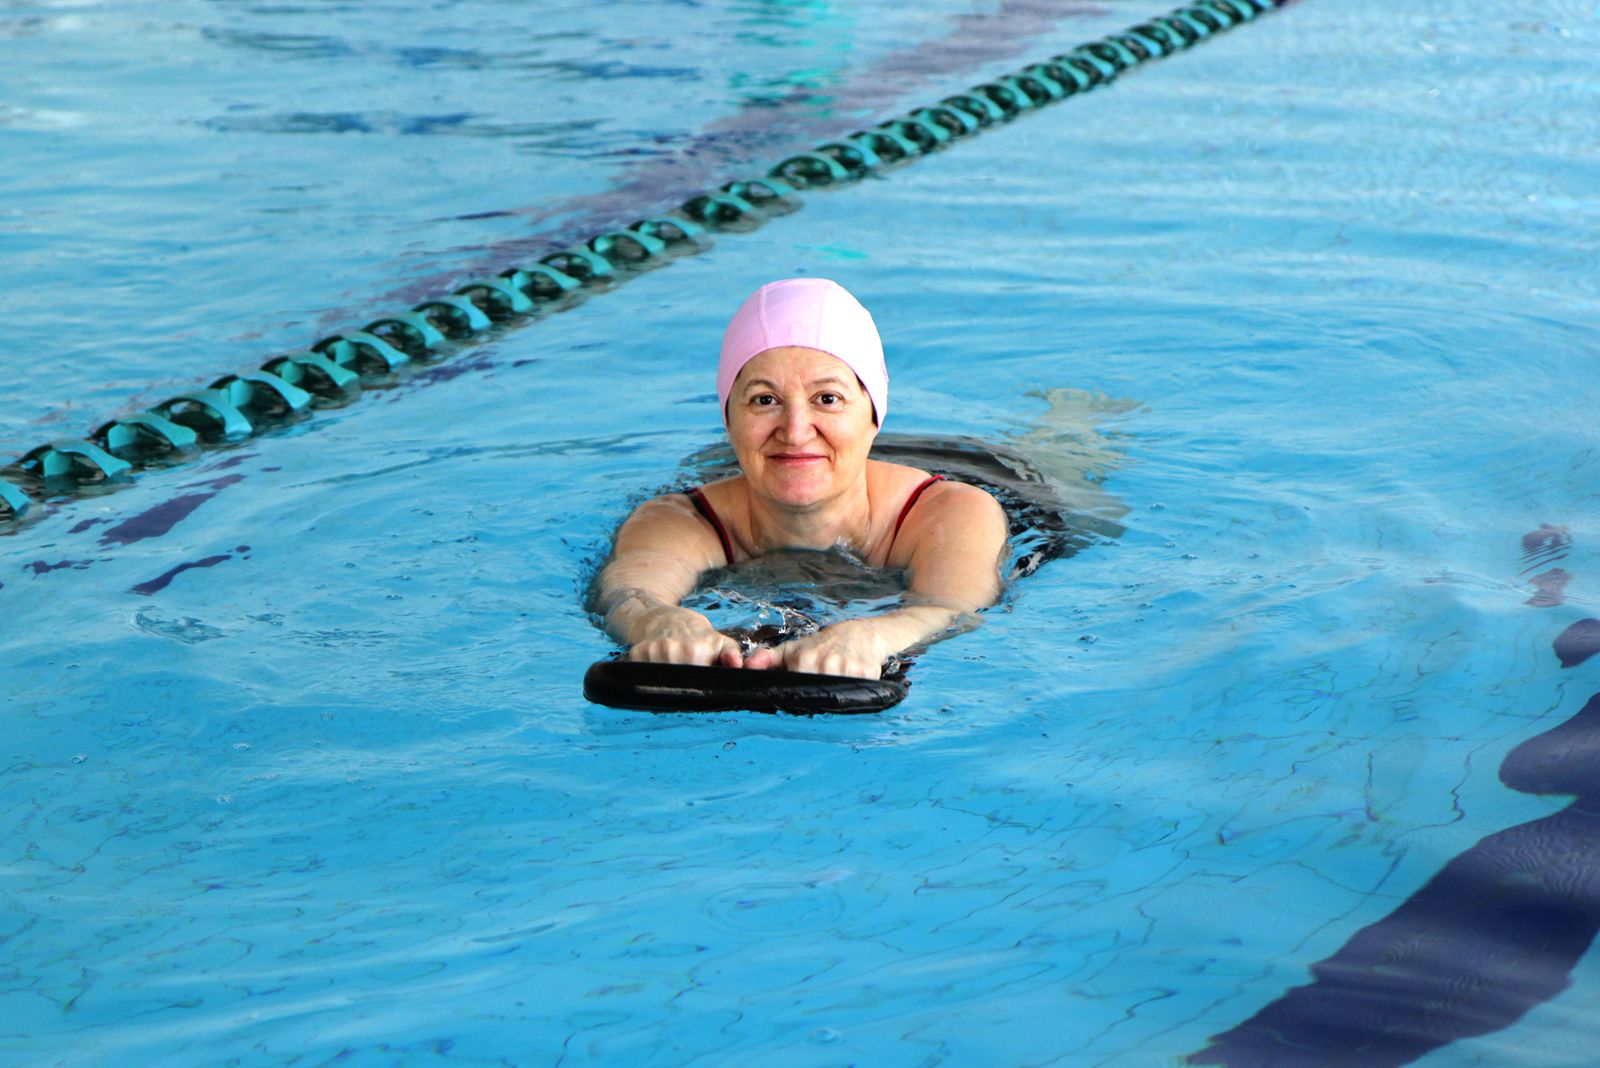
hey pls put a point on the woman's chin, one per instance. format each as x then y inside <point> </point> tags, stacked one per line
<point>797,500</point>
<point>797,490</point>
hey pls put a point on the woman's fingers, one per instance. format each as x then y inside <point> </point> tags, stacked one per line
<point>678,652</point>
<point>764,659</point>
<point>674,635</point>
<point>853,648</point>
<point>713,648</point>
<point>830,659</point>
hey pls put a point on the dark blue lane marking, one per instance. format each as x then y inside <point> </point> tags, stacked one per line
<point>157,521</point>
<point>1494,934</point>
<point>163,580</point>
<point>1578,642</point>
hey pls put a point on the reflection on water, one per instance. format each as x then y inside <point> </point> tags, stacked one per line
<point>1074,449</point>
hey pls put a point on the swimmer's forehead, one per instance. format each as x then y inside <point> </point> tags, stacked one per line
<point>821,380</point>
<point>824,369</point>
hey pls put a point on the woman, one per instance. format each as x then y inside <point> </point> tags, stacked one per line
<point>804,390</point>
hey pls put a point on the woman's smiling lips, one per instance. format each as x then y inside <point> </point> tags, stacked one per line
<point>796,457</point>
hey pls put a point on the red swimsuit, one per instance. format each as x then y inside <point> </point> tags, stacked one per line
<point>703,506</point>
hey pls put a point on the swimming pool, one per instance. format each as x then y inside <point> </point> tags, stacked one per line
<point>1310,311</point>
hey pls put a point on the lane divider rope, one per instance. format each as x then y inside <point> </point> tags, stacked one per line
<point>333,371</point>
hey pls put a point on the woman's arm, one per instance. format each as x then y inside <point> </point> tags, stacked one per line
<point>955,541</point>
<point>660,553</point>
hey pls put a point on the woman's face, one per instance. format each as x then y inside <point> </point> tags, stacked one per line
<point>801,425</point>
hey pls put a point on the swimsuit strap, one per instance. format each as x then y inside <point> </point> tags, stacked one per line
<point>703,506</point>
<point>911,502</point>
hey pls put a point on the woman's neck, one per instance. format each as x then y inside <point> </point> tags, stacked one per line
<point>846,520</point>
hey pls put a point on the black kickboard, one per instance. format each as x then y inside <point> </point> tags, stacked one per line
<point>692,688</point>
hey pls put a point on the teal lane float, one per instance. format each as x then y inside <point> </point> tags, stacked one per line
<point>333,371</point>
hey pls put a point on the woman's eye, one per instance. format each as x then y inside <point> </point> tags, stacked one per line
<point>765,400</point>
<point>828,398</point>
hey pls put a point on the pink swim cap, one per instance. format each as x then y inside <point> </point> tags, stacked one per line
<point>812,312</point>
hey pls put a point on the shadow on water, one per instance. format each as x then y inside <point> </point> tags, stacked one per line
<point>1494,934</point>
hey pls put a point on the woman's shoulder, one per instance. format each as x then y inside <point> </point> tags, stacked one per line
<point>947,517</point>
<point>885,479</point>
<point>894,482</point>
<point>723,493</point>
<point>678,524</point>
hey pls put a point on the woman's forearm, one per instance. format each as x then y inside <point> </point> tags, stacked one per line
<point>917,625</point>
<point>633,615</point>
<point>623,609</point>
<point>656,630</point>
<point>860,646</point>
<point>638,586</point>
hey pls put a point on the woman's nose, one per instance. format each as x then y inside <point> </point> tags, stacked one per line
<point>796,423</point>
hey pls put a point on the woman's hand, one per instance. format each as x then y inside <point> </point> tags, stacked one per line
<point>667,634</point>
<point>855,647</point>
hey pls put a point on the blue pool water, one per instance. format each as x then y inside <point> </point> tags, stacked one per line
<point>296,768</point>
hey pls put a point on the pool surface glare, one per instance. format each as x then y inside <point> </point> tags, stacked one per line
<point>1289,761</point>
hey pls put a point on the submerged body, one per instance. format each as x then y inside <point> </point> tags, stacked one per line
<point>801,420</point>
